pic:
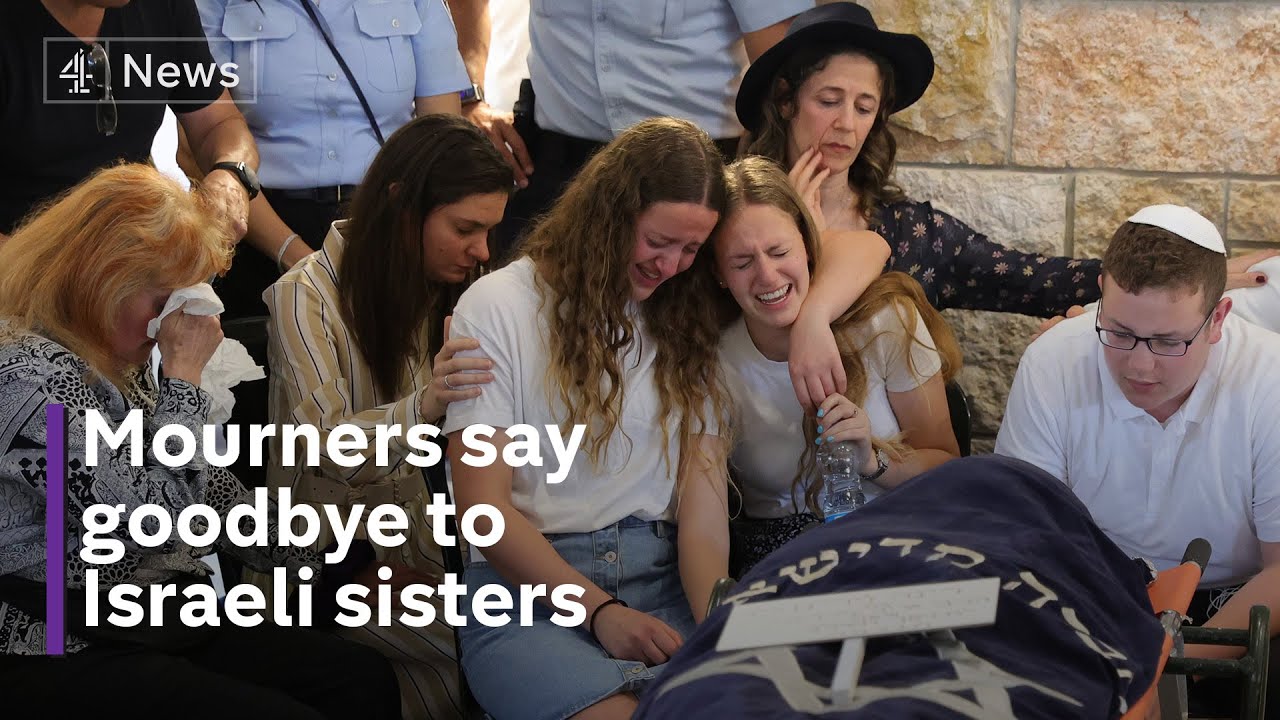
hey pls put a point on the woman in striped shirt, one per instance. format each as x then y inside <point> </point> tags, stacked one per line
<point>357,338</point>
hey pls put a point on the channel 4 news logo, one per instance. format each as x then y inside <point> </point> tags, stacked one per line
<point>77,71</point>
<point>91,73</point>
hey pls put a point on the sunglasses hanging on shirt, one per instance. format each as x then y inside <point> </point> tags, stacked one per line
<point>99,69</point>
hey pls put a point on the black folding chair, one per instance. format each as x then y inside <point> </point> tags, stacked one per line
<point>252,407</point>
<point>961,420</point>
<point>252,399</point>
<point>438,484</point>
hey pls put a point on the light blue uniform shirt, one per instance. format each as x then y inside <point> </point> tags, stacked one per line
<point>600,66</point>
<point>301,109</point>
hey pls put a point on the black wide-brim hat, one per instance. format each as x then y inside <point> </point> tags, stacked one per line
<point>843,23</point>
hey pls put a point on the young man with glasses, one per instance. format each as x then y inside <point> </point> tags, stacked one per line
<point>1161,411</point>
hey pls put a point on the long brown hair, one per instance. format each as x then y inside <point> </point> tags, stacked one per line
<point>582,250</point>
<point>871,176</point>
<point>759,181</point>
<point>387,301</point>
<point>68,269</point>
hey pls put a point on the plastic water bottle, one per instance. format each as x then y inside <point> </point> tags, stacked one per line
<point>839,463</point>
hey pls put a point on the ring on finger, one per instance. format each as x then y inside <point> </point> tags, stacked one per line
<point>448,384</point>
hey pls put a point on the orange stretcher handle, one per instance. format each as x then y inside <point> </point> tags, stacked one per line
<point>1171,590</point>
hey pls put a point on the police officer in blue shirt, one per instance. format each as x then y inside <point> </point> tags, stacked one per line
<point>322,84</point>
<point>596,67</point>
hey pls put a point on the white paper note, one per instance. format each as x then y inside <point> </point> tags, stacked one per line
<point>861,614</point>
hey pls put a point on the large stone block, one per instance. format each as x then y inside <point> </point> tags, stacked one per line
<point>1172,86</point>
<point>1104,201</point>
<point>993,344</point>
<point>984,445</point>
<point>1254,212</point>
<point>965,115</point>
<point>1025,211</point>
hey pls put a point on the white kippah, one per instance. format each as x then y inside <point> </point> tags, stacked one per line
<point>1183,222</point>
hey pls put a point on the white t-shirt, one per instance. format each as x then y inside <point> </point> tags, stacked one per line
<point>501,310</point>
<point>164,149</point>
<point>508,61</point>
<point>1212,470</point>
<point>770,437</point>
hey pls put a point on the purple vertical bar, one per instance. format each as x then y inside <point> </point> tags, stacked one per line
<point>55,531</point>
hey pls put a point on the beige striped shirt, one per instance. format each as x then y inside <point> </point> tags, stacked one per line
<point>319,377</point>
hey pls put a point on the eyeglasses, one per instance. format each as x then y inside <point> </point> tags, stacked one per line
<point>1158,346</point>
<point>99,67</point>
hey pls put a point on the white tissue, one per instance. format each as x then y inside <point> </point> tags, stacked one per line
<point>199,299</point>
<point>230,365</point>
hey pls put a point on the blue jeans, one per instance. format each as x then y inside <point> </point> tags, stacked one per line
<point>547,672</point>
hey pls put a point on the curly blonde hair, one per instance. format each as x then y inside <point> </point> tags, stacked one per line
<point>760,181</point>
<point>70,266</point>
<point>582,250</point>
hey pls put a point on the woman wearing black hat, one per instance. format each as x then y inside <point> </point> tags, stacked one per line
<point>819,102</point>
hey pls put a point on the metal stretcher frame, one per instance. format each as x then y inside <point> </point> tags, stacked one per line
<point>1170,595</point>
<point>1252,667</point>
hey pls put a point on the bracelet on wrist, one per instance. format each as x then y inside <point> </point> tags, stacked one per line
<point>283,247</point>
<point>591,626</point>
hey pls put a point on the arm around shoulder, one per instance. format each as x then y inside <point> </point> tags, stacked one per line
<point>850,262</point>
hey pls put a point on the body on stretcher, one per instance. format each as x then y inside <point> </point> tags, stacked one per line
<point>1073,632</point>
<point>1170,593</point>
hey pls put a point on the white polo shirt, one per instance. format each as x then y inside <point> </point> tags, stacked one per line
<point>770,439</point>
<point>501,310</point>
<point>1212,470</point>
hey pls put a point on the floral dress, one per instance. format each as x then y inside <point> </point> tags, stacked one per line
<point>960,268</point>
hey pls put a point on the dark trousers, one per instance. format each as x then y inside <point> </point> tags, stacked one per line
<point>261,672</point>
<point>252,272</point>
<point>1220,697</point>
<point>556,159</point>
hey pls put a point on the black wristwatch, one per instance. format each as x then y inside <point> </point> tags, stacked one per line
<point>245,174</point>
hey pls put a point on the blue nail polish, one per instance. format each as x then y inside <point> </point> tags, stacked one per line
<point>831,438</point>
<point>821,413</point>
<point>818,441</point>
<point>819,428</point>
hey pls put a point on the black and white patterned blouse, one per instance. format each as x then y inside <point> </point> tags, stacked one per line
<point>960,268</point>
<point>34,372</point>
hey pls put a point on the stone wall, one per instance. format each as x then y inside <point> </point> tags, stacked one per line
<point>1050,121</point>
